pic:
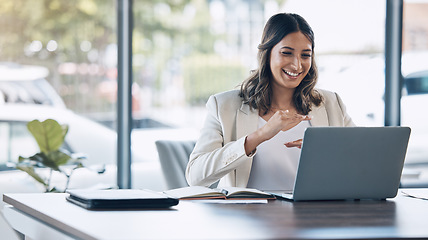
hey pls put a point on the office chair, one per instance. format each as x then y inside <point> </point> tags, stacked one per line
<point>173,156</point>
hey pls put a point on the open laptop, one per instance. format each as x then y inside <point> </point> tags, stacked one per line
<point>339,163</point>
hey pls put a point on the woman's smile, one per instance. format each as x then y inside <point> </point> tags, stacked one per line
<point>292,74</point>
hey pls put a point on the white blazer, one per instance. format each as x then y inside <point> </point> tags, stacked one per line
<point>219,152</point>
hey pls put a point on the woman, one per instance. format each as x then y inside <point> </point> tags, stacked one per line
<point>242,141</point>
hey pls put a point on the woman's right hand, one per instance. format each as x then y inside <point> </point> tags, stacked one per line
<point>280,121</point>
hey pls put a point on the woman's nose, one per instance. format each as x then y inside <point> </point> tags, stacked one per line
<point>297,63</point>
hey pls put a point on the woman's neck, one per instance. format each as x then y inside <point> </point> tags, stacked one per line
<point>282,100</point>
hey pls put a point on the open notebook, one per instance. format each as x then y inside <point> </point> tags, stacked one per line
<point>199,192</point>
<point>338,163</point>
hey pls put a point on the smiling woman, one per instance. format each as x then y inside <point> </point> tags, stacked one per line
<point>287,45</point>
<point>268,115</point>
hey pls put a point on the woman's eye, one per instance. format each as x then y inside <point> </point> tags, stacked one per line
<point>286,53</point>
<point>306,55</point>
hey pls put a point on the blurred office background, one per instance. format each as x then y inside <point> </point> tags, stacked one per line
<point>184,51</point>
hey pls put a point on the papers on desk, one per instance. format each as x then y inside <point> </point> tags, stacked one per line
<point>416,193</point>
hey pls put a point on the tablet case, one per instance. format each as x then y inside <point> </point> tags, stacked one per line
<point>120,199</point>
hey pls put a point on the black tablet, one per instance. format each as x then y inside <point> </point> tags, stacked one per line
<point>120,199</point>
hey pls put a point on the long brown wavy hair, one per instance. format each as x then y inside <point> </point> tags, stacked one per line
<point>256,90</point>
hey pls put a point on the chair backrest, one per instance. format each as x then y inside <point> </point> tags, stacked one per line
<point>173,156</point>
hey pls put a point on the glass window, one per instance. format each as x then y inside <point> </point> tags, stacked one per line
<point>74,42</point>
<point>416,83</point>
<point>4,143</point>
<point>15,141</point>
<point>186,51</point>
<point>415,76</point>
<point>58,60</point>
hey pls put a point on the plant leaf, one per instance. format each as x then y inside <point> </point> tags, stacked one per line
<point>58,158</point>
<point>32,173</point>
<point>45,161</point>
<point>49,134</point>
<point>52,160</point>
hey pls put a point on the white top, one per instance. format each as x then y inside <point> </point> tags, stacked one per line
<point>275,165</point>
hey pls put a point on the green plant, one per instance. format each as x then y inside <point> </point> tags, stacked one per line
<point>50,136</point>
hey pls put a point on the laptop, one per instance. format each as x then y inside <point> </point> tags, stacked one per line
<point>345,163</point>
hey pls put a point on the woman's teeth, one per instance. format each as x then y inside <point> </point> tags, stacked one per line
<point>291,73</point>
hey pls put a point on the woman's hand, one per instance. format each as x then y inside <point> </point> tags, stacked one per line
<point>297,143</point>
<point>280,121</point>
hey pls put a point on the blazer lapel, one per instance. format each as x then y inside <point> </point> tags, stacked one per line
<point>246,123</point>
<point>319,116</point>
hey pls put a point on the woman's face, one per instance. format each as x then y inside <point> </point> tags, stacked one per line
<point>290,60</point>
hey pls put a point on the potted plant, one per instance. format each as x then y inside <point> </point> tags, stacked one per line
<point>50,136</point>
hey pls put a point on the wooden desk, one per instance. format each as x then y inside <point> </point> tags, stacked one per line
<point>50,216</point>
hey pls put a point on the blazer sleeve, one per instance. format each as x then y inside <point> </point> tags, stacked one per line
<point>216,153</point>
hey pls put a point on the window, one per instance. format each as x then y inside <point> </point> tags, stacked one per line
<point>416,83</point>
<point>186,51</point>
<point>15,141</point>
<point>415,73</point>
